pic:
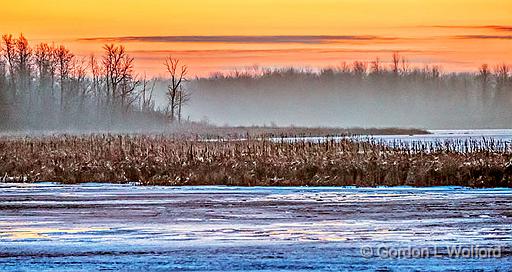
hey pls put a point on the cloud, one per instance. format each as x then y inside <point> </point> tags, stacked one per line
<point>487,27</point>
<point>482,37</point>
<point>280,51</point>
<point>301,39</point>
<point>501,28</point>
<point>306,55</point>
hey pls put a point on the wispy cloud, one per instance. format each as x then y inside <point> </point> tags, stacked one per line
<point>301,39</point>
<point>486,27</point>
<point>482,37</point>
<point>280,51</point>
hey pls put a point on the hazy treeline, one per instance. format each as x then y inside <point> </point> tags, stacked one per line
<point>367,94</point>
<point>47,87</point>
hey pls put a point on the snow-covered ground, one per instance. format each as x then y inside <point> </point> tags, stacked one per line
<point>48,226</point>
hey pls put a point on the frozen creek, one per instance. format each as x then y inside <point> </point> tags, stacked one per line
<point>48,226</point>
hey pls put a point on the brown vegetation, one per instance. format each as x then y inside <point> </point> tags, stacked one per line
<point>205,131</point>
<point>163,160</point>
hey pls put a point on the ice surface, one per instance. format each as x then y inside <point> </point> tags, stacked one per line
<point>48,226</point>
<point>497,137</point>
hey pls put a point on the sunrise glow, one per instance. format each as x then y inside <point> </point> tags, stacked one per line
<point>226,35</point>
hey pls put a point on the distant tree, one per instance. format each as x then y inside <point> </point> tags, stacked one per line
<point>64,58</point>
<point>344,68</point>
<point>23,58</point>
<point>405,66</point>
<point>177,73</point>
<point>431,73</point>
<point>18,56</point>
<point>359,68</point>
<point>127,91</point>
<point>146,95</point>
<point>96,79</point>
<point>3,82</point>
<point>9,54</point>
<point>4,104</point>
<point>375,67</point>
<point>80,86</point>
<point>501,73</point>
<point>183,99</point>
<point>327,73</point>
<point>29,77</point>
<point>118,69</point>
<point>3,76</point>
<point>44,57</point>
<point>395,63</point>
<point>484,74</point>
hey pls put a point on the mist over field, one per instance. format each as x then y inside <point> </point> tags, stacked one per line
<point>47,87</point>
<point>418,98</point>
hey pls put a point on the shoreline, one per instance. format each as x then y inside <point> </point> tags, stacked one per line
<point>263,187</point>
<point>205,131</point>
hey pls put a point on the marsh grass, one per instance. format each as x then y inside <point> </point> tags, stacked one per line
<point>166,160</point>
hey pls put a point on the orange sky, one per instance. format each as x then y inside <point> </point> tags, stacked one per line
<point>457,34</point>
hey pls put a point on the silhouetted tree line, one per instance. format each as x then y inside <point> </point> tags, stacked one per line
<point>48,87</point>
<point>364,94</point>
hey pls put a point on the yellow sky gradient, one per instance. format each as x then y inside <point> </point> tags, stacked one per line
<point>65,18</point>
<point>66,21</point>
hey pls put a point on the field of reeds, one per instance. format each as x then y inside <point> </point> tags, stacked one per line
<point>166,160</point>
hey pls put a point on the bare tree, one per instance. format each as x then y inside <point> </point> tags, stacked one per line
<point>395,63</point>
<point>118,69</point>
<point>9,55</point>
<point>359,68</point>
<point>18,56</point>
<point>79,84</point>
<point>23,68</point>
<point>127,92</point>
<point>501,73</point>
<point>96,78</point>
<point>3,76</point>
<point>23,61</point>
<point>183,99</point>
<point>146,95</point>
<point>484,75</point>
<point>79,96</point>
<point>44,57</point>
<point>4,104</point>
<point>64,58</point>
<point>405,66</point>
<point>375,67</point>
<point>435,72</point>
<point>3,82</point>
<point>344,68</point>
<point>177,73</point>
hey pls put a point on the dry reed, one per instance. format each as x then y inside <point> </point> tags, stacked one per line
<point>164,160</point>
